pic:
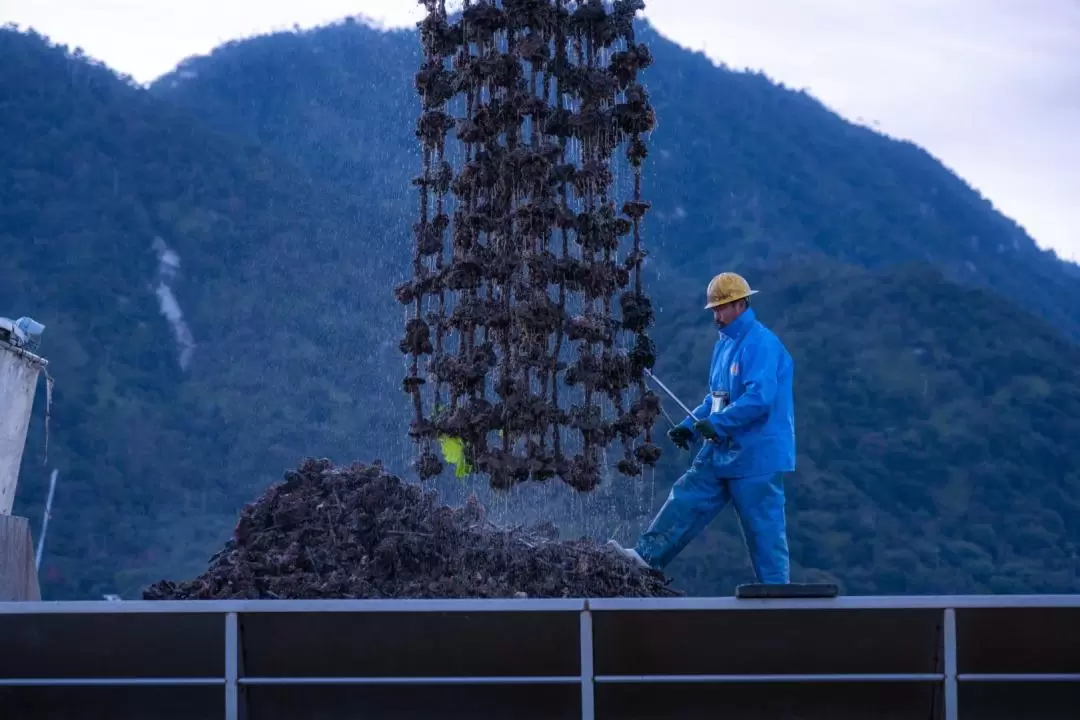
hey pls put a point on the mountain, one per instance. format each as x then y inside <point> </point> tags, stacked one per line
<point>742,172</point>
<point>104,188</point>
<point>936,405</point>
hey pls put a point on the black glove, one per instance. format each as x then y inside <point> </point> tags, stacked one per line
<point>680,436</point>
<point>705,429</point>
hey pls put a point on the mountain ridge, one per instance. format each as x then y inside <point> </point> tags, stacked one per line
<point>741,203</point>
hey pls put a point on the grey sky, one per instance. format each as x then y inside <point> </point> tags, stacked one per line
<point>990,87</point>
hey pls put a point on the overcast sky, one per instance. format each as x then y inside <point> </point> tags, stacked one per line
<point>990,87</point>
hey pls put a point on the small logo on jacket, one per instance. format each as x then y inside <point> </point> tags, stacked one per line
<point>734,369</point>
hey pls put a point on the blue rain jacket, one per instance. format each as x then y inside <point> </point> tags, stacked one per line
<point>757,427</point>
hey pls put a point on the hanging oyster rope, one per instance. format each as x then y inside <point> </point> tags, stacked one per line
<point>526,301</point>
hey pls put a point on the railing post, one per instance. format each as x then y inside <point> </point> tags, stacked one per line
<point>232,667</point>
<point>588,700</point>
<point>951,693</point>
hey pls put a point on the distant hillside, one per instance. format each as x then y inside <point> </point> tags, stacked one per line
<point>742,171</point>
<point>936,422</point>
<point>155,460</point>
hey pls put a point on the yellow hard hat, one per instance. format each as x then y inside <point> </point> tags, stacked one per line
<point>727,288</point>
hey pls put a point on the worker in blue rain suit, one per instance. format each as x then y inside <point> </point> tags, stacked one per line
<point>748,427</point>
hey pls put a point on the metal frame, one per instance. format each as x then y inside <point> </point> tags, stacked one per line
<point>235,680</point>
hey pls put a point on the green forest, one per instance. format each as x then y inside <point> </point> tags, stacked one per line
<point>935,344</point>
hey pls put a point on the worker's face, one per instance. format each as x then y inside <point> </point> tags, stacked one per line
<point>724,315</point>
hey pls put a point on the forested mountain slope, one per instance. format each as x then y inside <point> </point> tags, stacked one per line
<point>742,171</point>
<point>155,459</point>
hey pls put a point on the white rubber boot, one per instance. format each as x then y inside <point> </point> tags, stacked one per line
<point>628,553</point>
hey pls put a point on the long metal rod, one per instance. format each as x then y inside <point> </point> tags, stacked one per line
<point>671,395</point>
<point>841,602</point>
<point>112,682</point>
<point>503,605</point>
<point>417,680</point>
<point>1019,677</point>
<point>811,678</point>
<point>45,520</point>
<point>780,678</point>
<point>214,607</point>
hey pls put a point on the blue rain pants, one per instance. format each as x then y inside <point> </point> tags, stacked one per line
<point>698,497</point>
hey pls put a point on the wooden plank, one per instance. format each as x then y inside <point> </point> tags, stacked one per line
<point>18,576</point>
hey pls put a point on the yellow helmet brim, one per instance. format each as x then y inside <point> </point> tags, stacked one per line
<point>727,301</point>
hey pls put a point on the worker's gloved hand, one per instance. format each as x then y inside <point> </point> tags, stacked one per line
<point>680,436</point>
<point>705,429</point>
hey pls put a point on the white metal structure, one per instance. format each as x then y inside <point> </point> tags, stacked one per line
<point>19,370</point>
<point>950,657</point>
<point>45,519</point>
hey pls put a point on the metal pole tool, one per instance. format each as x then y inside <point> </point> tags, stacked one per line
<point>671,395</point>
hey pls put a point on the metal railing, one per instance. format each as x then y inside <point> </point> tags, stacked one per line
<point>604,658</point>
